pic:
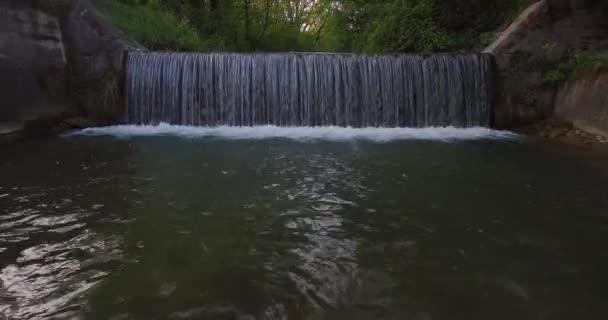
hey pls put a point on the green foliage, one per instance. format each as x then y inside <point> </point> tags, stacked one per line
<point>556,76</point>
<point>419,25</point>
<point>515,8</point>
<point>589,62</point>
<point>578,63</point>
<point>486,38</point>
<point>152,27</point>
<point>472,24</point>
<point>530,99</point>
<point>550,51</point>
<point>372,26</point>
<point>401,26</point>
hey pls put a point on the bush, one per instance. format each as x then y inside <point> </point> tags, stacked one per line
<point>589,62</point>
<point>372,26</point>
<point>396,26</point>
<point>151,26</point>
<point>578,63</point>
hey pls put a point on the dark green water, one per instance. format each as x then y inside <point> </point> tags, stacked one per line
<point>175,228</point>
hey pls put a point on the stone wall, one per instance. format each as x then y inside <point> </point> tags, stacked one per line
<point>32,67</point>
<point>584,102</point>
<point>533,45</point>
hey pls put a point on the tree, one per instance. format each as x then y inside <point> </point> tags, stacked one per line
<point>339,25</point>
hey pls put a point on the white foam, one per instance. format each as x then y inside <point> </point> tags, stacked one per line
<point>299,133</point>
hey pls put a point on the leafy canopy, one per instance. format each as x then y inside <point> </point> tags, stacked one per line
<point>371,26</point>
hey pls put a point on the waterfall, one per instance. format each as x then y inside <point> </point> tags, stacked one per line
<point>309,89</point>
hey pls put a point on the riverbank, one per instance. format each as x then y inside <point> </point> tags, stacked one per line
<point>42,128</point>
<point>566,137</point>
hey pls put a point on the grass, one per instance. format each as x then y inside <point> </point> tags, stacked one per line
<point>151,26</point>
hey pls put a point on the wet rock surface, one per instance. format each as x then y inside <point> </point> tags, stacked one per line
<point>565,132</point>
<point>95,52</point>
<point>58,60</point>
<point>32,66</point>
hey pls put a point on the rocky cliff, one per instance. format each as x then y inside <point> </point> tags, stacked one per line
<point>543,36</point>
<point>95,51</point>
<point>32,66</point>
<point>58,59</point>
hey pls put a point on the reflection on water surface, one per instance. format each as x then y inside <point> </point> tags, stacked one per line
<point>207,228</point>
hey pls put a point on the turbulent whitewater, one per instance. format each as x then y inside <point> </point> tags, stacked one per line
<point>300,133</point>
<point>309,90</point>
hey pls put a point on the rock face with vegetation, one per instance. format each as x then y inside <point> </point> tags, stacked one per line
<point>540,51</point>
<point>32,66</point>
<point>584,101</point>
<point>95,54</point>
<point>58,60</point>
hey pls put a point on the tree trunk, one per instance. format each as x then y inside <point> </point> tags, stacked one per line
<point>247,23</point>
<point>266,22</point>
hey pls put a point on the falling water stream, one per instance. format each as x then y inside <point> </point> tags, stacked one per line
<point>309,90</point>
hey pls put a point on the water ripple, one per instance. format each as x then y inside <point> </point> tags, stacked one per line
<point>327,272</point>
<point>49,279</point>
